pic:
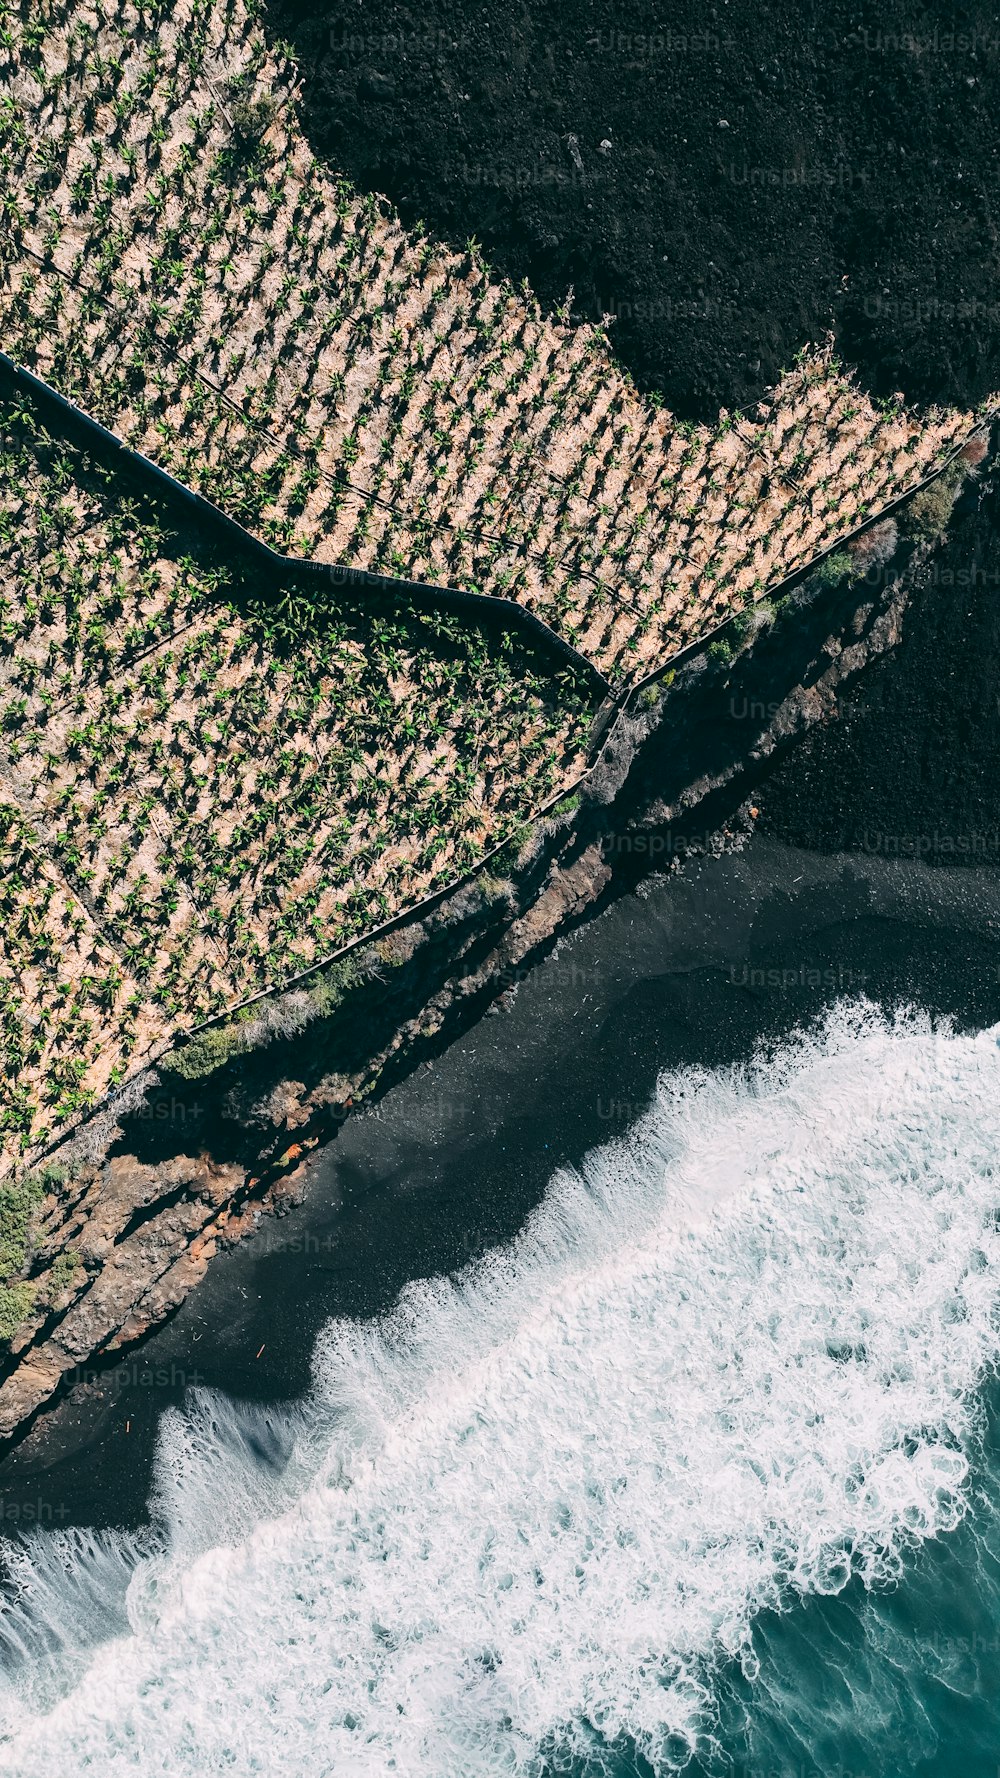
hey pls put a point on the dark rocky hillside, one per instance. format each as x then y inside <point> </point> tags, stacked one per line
<point>729,180</point>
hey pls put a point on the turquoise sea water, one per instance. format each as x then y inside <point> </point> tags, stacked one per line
<point>871,1684</point>
<point>697,1474</point>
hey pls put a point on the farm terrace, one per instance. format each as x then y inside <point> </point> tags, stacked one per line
<point>192,806</point>
<point>177,262</point>
<point>206,784</point>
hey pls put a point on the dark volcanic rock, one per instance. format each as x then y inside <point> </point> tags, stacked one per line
<point>772,172</point>
<point>728,181</point>
<point>911,768</point>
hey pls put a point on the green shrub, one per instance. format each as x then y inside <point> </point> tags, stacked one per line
<point>18,1203</point>
<point>252,117</point>
<point>929,511</point>
<point>62,1273</point>
<point>720,650</point>
<point>833,569</point>
<point>210,1050</point>
<point>16,1301</point>
<point>494,888</point>
<point>518,840</point>
<point>53,1173</point>
<point>335,981</point>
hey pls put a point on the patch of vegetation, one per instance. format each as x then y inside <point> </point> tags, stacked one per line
<point>833,569</point>
<point>749,623</point>
<point>335,982</point>
<point>211,1049</point>
<point>927,515</point>
<point>16,1301</point>
<point>62,1274</point>
<point>53,1173</point>
<point>252,118</point>
<point>517,841</point>
<point>18,1203</point>
<point>493,888</point>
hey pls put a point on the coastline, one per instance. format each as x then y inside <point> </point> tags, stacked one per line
<point>195,1166</point>
<point>506,1275</point>
<point>699,968</point>
<point>188,1159</point>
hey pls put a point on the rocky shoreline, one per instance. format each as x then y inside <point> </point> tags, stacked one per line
<point>200,1151</point>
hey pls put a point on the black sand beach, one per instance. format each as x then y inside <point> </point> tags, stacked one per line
<point>873,869</point>
<point>700,968</point>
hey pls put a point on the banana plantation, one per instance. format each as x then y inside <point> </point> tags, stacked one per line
<point>177,262</point>
<point>207,784</point>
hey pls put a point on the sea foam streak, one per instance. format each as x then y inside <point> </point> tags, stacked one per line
<point>733,1360</point>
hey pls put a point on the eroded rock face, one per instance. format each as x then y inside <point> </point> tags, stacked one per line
<point>280,1109</point>
<point>145,1229</point>
<point>569,892</point>
<point>142,1234</point>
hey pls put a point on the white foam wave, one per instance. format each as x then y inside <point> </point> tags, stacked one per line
<point>732,1361</point>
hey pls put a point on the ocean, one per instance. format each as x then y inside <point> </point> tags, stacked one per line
<point>696,1471</point>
